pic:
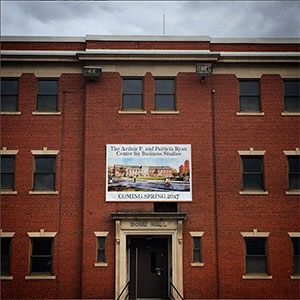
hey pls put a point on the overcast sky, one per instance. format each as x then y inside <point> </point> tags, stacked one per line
<point>212,18</point>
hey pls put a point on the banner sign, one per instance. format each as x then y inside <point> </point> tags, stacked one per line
<point>147,172</point>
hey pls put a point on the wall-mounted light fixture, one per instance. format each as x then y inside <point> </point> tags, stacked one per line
<point>92,73</point>
<point>203,70</point>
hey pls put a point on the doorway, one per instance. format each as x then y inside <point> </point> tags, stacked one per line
<point>149,267</point>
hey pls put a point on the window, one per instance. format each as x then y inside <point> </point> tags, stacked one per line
<point>7,172</point>
<point>197,249</point>
<point>252,172</point>
<point>47,95</point>
<point>249,95</point>
<point>44,173</point>
<point>101,250</point>
<point>41,256</point>
<point>165,94</point>
<point>256,257</point>
<point>9,95</point>
<point>5,256</point>
<point>292,95</point>
<point>294,172</point>
<point>132,94</point>
<point>296,255</point>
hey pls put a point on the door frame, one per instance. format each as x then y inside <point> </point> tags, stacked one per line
<point>163,224</point>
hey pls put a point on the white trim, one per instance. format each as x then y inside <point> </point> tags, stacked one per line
<point>290,113</point>
<point>297,277</point>
<point>196,233</point>
<point>4,151</point>
<point>197,264</point>
<point>39,277</point>
<point>42,233</point>
<point>262,276</point>
<point>251,192</point>
<point>292,152</point>
<point>11,113</point>
<point>101,233</point>
<point>165,112</point>
<point>48,39</point>
<point>293,192</point>
<point>45,151</point>
<point>132,112</point>
<point>244,113</point>
<point>43,192</point>
<point>251,151</point>
<point>294,234</point>
<point>100,264</point>
<point>46,113</point>
<point>6,234</point>
<point>3,192</point>
<point>6,278</point>
<point>255,233</point>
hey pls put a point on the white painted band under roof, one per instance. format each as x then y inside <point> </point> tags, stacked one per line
<point>50,39</point>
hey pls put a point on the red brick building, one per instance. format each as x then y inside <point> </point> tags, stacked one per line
<point>234,102</point>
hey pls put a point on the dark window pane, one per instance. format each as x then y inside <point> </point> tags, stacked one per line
<point>101,256</point>
<point>252,164</point>
<point>294,181</point>
<point>294,163</point>
<point>292,88</point>
<point>255,246</point>
<point>101,242</point>
<point>41,246</point>
<point>47,87</point>
<point>7,181</point>
<point>44,181</point>
<point>291,103</point>
<point>249,103</point>
<point>249,87</point>
<point>7,164</point>
<point>197,257</point>
<point>5,245</point>
<point>132,86</point>
<point>164,102</point>
<point>256,264</point>
<point>9,87</point>
<point>132,101</point>
<point>196,242</point>
<point>47,102</point>
<point>9,103</point>
<point>5,265</point>
<point>296,265</point>
<point>41,264</point>
<point>253,181</point>
<point>164,86</point>
<point>45,164</point>
<point>296,245</point>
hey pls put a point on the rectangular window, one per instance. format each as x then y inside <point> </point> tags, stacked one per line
<point>41,256</point>
<point>101,250</point>
<point>5,256</point>
<point>296,255</point>
<point>292,95</point>
<point>132,94</point>
<point>7,172</point>
<point>294,172</point>
<point>165,94</point>
<point>47,95</point>
<point>197,249</point>
<point>256,256</point>
<point>253,172</point>
<point>249,95</point>
<point>44,173</point>
<point>9,95</point>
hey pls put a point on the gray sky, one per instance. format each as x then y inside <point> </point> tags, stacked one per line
<point>213,18</point>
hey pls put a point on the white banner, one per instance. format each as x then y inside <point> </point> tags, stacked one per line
<point>147,172</point>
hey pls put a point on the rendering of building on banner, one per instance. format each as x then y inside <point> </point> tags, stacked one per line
<point>150,167</point>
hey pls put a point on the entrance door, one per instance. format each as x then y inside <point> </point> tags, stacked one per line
<point>148,267</point>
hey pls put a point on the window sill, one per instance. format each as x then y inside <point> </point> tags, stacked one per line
<point>197,264</point>
<point>100,264</point>
<point>165,112</point>
<point>249,113</point>
<point>257,276</point>
<point>8,192</point>
<point>6,278</point>
<point>11,113</point>
<point>43,192</point>
<point>40,277</point>
<point>46,113</point>
<point>290,113</point>
<point>295,192</point>
<point>132,112</point>
<point>253,192</point>
<point>295,277</point>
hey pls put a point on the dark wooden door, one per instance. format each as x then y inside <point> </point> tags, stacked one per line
<point>149,268</point>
